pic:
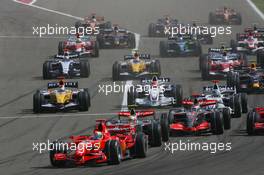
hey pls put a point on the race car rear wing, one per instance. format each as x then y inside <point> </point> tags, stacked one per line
<point>70,56</point>
<point>160,79</point>
<point>53,85</point>
<point>243,68</point>
<point>139,114</point>
<point>255,35</point>
<point>186,36</point>
<point>219,50</point>
<point>204,103</point>
<point>141,56</point>
<point>221,88</point>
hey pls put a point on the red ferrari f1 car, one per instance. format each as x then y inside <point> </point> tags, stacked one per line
<point>104,146</point>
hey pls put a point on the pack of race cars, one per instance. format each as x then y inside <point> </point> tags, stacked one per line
<point>129,136</point>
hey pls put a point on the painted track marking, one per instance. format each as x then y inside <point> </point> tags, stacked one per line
<point>256,9</point>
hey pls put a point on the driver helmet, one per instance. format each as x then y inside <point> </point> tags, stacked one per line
<point>136,56</point>
<point>66,54</point>
<point>116,28</point>
<point>196,105</point>
<point>167,20</point>
<point>253,67</point>
<point>154,81</point>
<point>61,85</point>
<point>133,116</point>
<point>93,18</point>
<point>98,135</point>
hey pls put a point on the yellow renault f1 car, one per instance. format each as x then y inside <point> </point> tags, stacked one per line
<point>136,66</point>
<point>61,96</point>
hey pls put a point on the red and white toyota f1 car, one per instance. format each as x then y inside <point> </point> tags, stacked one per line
<point>79,45</point>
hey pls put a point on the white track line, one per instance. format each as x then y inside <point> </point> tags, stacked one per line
<point>49,10</point>
<point>129,83</point>
<point>124,101</point>
<point>39,116</point>
<point>256,9</point>
<point>30,37</point>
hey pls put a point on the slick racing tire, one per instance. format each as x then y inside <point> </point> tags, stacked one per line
<point>244,105</point>
<point>164,124</point>
<point>84,69</point>
<point>155,67</point>
<point>46,70</point>
<point>131,40</point>
<point>198,50</point>
<point>155,136</point>
<point>61,47</point>
<point>217,123</point>
<point>205,69</point>
<point>113,152</point>
<point>251,118</point>
<point>227,118</point>
<point>177,94</point>
<point>141,146</point>
<point>233,45</point>
<point>239,19</point>
<point>131,96</point>
<point>237,106</point>
<point>260,58</point>
<point>38,99</point>
<point>96,50</point>
<point>57,148</point>
<point>212,18</point>
<point>84,100</point>
<point>201,60</point>
<point>163,49</point>
<point>116,71</point>
<point>151,30</point>
<point>78,24</point>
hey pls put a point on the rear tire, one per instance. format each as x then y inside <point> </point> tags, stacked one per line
<point>61,47</point>
<point>113,152</point>
<point>46,70</point>
<point>116,71</point>
<point>244,105</point>
<point>217,123</point>
<point>251,117</point>
<point>96,50</point>
<point>163,49</point>
<point>227,118</point>
<point>151,30</point>
<point>260,58</point>
<point>131,40</point>
<point>141,145</point>
<point>177,94</point>
<point>38,99</point>
<point>164,123</point>
<point>237,106</point>
<point>84,69</point>
<point>205,70</point>
<point>155,137</point>
<point>84,100</point>
<point>155,67</point>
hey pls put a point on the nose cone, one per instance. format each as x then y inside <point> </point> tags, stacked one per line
<point>136,67</point>
<point>256,85</point>
<point>61,98</point>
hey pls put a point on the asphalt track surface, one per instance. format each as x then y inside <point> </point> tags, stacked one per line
<point>21,61</point>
